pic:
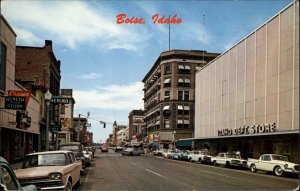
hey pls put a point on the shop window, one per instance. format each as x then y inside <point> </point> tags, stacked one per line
<point>3,67</point>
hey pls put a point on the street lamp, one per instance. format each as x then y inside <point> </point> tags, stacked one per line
<point>48,97</point>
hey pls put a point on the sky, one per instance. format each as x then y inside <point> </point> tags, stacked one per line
<point>105,62</point>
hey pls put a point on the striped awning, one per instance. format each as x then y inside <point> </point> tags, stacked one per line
<point>166,107</point>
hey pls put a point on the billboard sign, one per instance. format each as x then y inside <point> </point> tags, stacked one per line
<point>15,102</point>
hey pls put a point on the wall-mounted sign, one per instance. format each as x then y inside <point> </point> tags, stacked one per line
<point>60,100</point>
<point>244,130</point>
<point>20,94</point>
<point>15,102</point>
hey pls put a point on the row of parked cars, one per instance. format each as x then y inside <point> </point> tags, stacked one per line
<point>278,164</point>
<point>50,170</point>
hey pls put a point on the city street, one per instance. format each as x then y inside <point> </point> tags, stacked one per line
<point>112,171</point>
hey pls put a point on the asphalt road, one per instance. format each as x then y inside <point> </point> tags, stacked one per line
<point>112,171</point>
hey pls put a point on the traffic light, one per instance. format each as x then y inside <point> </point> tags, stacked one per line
<point>104,124</point>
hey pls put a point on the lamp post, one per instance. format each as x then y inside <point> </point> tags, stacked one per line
<point>174,140</point>
<point>48,97</point>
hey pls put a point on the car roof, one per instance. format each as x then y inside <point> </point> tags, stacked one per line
<point>49,152</point>
<point>70,143</point>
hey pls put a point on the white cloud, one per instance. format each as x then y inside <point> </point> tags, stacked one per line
<point>91,76</point>
<point>69,24</point>
<point>116,97</point>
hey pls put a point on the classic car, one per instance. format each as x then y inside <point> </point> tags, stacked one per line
<point>77,148</point>
<point>229,160</point>
<point>52,170</point>
<point>167,154</point>
<point>8,179</point>
<point>201,156</point>
<point>132,151</point>
<point>88,157</point>
<point>278,164</point>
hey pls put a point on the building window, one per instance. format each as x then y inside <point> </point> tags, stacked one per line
<point>183,95</point>
<point>167,95</point>
<point>62,109</point>
<point>168,69</point>
<point>184,69</point>
<point>184,82</point>
<point>167,82</point>
<point>183,123</point>
<point>186,95</point>
<point>166,110</point>
<point>3,67</point>
<point>166,123</point>
<point>183,110</point>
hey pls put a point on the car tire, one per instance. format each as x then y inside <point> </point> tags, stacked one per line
<point>278,171</point>
<point>253,168</point>
<point>68,186</point>
<point>215,163</point>
<point>200,160</point>
<point>227,164</point>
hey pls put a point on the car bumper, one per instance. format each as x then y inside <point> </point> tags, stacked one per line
<point>293,171</point>
<point>54,188</point>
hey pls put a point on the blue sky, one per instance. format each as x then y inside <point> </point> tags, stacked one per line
<point>105,62</point>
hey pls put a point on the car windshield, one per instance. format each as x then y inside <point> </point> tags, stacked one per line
<point>280,157</point>
<point>57,159</point>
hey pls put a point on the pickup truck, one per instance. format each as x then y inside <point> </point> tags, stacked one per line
<point>228,160</point>
<point>278,164</point>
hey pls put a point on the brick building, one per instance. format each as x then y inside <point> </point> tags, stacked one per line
<point>38,70</point>
<point>169,94</point>
<point>137,131</point>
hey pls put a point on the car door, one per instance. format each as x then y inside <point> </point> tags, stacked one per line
<point>266,163</point>
<point>74,166</point>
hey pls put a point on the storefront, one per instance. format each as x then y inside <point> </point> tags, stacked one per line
<point>252,146</point>
<point>16,143</point>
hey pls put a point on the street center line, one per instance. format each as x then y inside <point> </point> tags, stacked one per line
<point>156,173</point>
<point>133,163</point>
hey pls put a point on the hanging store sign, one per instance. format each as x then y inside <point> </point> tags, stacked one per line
<point>245,130</point>
<point>15,102</point>
<point>60,100</point>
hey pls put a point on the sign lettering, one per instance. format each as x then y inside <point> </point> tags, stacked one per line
<point>245,130</point>
<point>15,102</point>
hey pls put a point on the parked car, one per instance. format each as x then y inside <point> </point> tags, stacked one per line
<point>77,148</point>
<point>183,155</point>
<point>167,153</point>
<point>52,170</point>
<point>229,159</point>
<point>8,179</point>
<point>201,156</point>
<point>92,150</point>
<point>158,152</point>
<point>132,151</point>
<point>278,164</point>
<point>88,157</point>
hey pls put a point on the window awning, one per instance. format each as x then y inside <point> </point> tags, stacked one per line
<point>181,67</point>
<point>180,80</point>
<point>187,67</point>
<point>168,80</point>
<point>179,121</point>
<point>187,81</point>
<point>186,121</point>
<point>166,107</point>
<point>180,107</point>
<point>186,107</point>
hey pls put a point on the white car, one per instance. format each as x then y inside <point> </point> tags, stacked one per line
<point>201,156</point>
<point>228,160</point>
<point>278,164</point>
